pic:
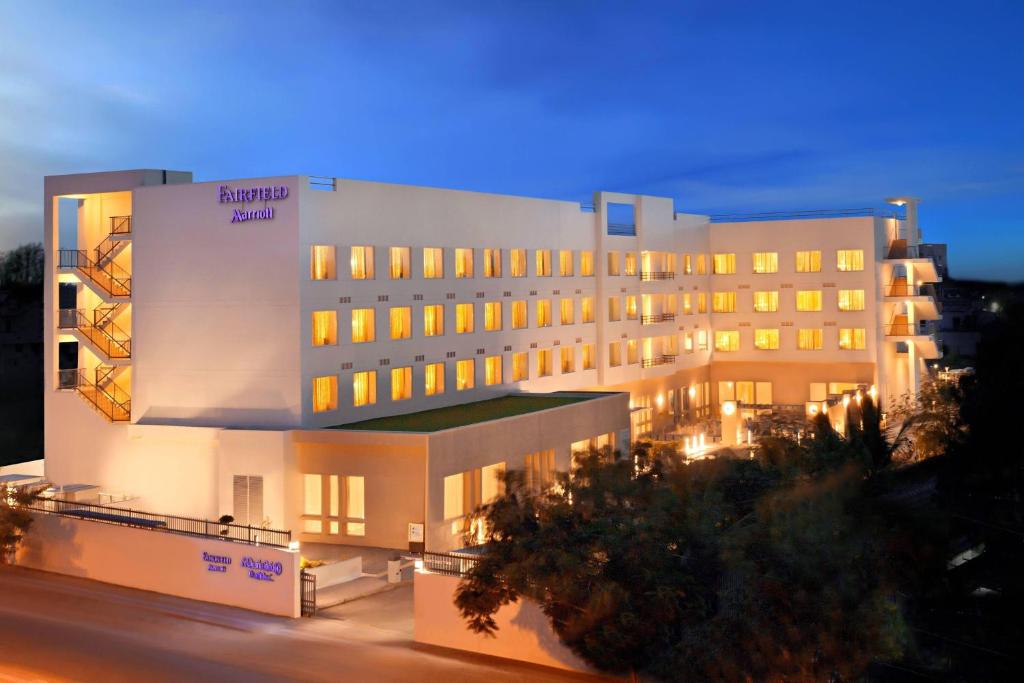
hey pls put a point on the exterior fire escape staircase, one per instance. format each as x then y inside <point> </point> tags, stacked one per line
<point>97,328</point>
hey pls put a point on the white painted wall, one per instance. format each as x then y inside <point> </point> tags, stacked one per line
<point>162,562</point>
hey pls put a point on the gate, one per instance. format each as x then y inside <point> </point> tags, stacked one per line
<point>308,594</point>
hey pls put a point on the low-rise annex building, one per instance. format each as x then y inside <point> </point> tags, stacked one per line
<point>202,338</point>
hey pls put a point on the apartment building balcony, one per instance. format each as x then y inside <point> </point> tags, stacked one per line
<point>923,267</point>
<point>98,332</point>
<point>109,281</point>
<point>926,342</point>
<point>106,397</point>
<point>651,275</point>
<point>653,361</point>
<point>922,298</point>
<point>657,318</point>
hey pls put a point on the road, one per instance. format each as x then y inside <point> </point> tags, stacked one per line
<point>56,628</point>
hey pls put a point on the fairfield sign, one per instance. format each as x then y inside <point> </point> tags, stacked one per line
<point>245,195</point>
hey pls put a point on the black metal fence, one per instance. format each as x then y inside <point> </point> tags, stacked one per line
<point>190,526</point>
<point>448,563</point>
<point>308,586</point>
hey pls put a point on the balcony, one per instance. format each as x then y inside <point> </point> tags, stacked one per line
<point>921,298</point>
<point>650,275</point>
<point>101,333</point>
<point>664,359</point>
<point>925,341</point>
<point>111,401</point>
<point>923,267</point>
<point>657,318</point>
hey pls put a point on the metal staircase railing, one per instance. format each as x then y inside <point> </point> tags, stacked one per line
<point>111,278</point>
<point>112,401</point>
<point>110,339</point>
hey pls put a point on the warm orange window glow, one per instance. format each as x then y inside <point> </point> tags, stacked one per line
<point>809,339</point>
<point>364,388</point>
<point>727,340</point>
<point>325,393</point>
<point>325,328</point>
<point>463,318</point>
<point>848,260</point>
<point>519,315</point>
<point>614,354</point>
<point>567,312</point>
<point>463,263</point>
<point>361,262</point>
<point>492,262</point>
<point>766,339</point>
<point>520,366</point>
<point>464,374</point>
<point>629,265</point>
<point>433,320</point>
<point>433,263</point>
<point>544,367</point>
<point>401,384</point>
<point>587,309</point>
<point>568,354</point>
<point>543,258</point>
<point>808,261</point>
<point>517,262</point>
<point>433,379</point>
<point>543,313</point>
<point>723,264</point>
<point>766,262</point>
<point>587,263</point>
<point>322,263</point>
<point>362,325</point>
<point>492,370</point>
<point>492,316</point>
<point>723,302</point>
<point>851,299</point>
<point>400,259</point>
<point>766,302</point>
<point>808,300</point>
<point>565,263</point>
<point>401,322</point>
<point>852,338</point>
<point>588,357</point>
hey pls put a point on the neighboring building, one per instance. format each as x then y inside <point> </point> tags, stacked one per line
<point>222,326</point>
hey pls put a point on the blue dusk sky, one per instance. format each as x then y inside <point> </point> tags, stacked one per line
<point>726,106</point>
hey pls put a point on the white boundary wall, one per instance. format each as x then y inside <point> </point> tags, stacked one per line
<point>524,633</point>
<point>186,566</point>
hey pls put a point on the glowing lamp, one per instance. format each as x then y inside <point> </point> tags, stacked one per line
<point>728,408</point>
<point>693,392</point>
<point>660,400</point>
<point>846,400</point>
<point>293,546</point>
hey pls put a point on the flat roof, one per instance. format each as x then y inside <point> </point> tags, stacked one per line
<point>449,417</point>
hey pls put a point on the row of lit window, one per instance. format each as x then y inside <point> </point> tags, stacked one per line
<point>364,327</point>
<point>364,383</point>
<point>807,300</point>
<point>808,339</point>
<point>323,262</point>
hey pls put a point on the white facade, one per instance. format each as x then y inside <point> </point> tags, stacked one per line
<point>222,313</point>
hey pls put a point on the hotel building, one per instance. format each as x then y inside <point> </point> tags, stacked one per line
<point>202,338</point>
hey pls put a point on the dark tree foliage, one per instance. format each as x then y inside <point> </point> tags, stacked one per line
<point>22,267</point>
<point>769,568</point>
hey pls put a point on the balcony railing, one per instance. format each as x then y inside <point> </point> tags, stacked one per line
<point>110,277</point>
<point>111,400</point>
<point>648,275</point>
<point>899,249</point>
<point>120,225</point>
<point>657,318</point>
<point>110,339</point>
<point>664,359</point>
<point>451,564</point>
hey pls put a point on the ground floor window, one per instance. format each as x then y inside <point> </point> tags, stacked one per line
<point>334,503</point>
<point>247,492</point>
<point>464,491</point>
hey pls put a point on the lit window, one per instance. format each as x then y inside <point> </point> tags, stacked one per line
<point>809,339</point>
<point>565,263</point>
<point>362,325</point>
<point>517,262</point>
<point>614,354</point>
<point>364,388</point>
<point>321,263</point>
<point>519,315</point>
<point>687,264</point>
<point>613,263</point>
<point>687,305</point>
<point>702,340</point>
<point>851,300</point>
<point>631,309</point>
<point>766,339</point>
<point>745,392</point>
<point>543,262</point>
<point>726,391</point>
<point>325,393</point>
<point>702,264</point>
<point>540,470</point>
<point>463,318</point>
<point>433,320</point>
<point>464,374</point>
<point>520,366</point>
<point>852,338</point>
<point>688,342</point>
<point>671,303</point>
<point>355,506</point>
<point>723,302</point>
<point>727,340</point>
<point>401,384</point>
<point>454,505</point>
<point>492,370</point>
<point>766,261</point>
<point>766,302</point>
<point>850,260</point>
<point>670,263</point>
<point>587,263</point>
<point>361,262</point>
<point>567,312</point>
<point>808,300</point>
<point>702,302</point>
<point>433,263</point>
<point>325,328</point>
<point>568,358</point>
<point>588,357</point>
<point>491,484</point>
<point>587,309</point>
<point>433,379</point>
<point>763,393</point>
<point>401,322</point>
<point>492,262</point>
<point>400,259</point>
<point>632,352</point>
<point>463,263</point>
<point>614,313</point>
<point>808,261</point>
<point>629,263</point>
<point>544,368</point>
<point>543,312</point>
<point>492,316</point>
<point>723,264</point>
<point>313,494</point>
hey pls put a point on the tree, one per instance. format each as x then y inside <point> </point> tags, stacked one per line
<point>14,518</point>
<point>22,267</point>
<point>932,419</point>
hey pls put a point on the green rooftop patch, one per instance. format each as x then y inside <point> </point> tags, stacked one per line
<point>468,413</point>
